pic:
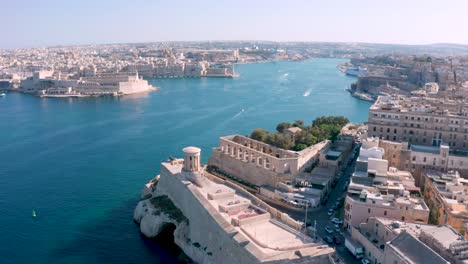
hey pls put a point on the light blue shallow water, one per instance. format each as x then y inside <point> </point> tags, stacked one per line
<point>81,163</point>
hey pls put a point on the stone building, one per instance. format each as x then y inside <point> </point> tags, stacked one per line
<point>420,120</point>
<point>259,163</point>
<point>446,194</point>
<point>416,158</point>
<point>381,236</point>
<point>376,190</point>
<point>216,221</point>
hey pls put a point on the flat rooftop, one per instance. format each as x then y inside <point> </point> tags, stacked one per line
<point>271,238</point>
<point>425,149</point>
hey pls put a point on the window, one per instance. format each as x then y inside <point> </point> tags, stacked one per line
<point>368,210</point>
<point>402,218</point>
<point>385,213</point>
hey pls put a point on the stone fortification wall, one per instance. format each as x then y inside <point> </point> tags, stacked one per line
<point>249,172</point>
<point>207,239</point>
<point>274,213</point>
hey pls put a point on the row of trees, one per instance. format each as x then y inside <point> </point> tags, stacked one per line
<point>325,127</point>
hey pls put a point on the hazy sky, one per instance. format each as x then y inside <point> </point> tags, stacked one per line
<point>30,23</point>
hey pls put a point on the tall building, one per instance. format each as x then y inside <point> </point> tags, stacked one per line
<point>420,120</point>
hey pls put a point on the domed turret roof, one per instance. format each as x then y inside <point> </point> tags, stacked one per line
<point>191,150</point>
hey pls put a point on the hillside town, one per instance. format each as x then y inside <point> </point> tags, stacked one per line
<point>408,75</point>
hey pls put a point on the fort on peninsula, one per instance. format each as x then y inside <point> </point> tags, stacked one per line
<point>218,221</point>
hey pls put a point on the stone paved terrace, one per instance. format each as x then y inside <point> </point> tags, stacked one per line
<point>270,239</point>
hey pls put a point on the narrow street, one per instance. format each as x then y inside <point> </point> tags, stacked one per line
<point>323,219</point>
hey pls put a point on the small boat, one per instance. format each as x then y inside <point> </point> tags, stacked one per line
<point>34,214</point>
<point>2,94</point>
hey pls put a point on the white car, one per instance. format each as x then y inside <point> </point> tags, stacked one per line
<point>336,221</point>
<point>329,230</point>
<point>365,261</point>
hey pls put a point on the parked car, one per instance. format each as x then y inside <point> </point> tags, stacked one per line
<point>328,239</point>
<point>336,220</point>
<point>337,228</point>
<point>330,212</point>
<point>329,230</point>
<point>365,261</point>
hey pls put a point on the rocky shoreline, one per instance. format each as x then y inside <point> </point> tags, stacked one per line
<point>155,212</point>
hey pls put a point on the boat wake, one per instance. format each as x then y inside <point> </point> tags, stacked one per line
<point>307,92</point>
<point>238,114</point>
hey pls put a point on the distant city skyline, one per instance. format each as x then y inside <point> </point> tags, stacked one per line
<point>28,23</point>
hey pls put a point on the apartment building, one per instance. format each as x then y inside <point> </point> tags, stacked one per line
<point>376,190</point>
<point>416,158</point>
<point>446,194</point>
<point>384,239</point>
<point>420,120</point>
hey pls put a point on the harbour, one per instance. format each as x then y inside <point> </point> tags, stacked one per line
<point>105,148</point>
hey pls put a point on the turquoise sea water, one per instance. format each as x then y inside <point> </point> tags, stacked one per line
<point>81,163</point>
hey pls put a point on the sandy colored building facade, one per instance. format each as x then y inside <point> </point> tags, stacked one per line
<point>420,120</point>
<point>261,164</point>
<point>446,194</point>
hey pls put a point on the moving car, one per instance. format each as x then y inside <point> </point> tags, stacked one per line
<point>329,230</point>
<point>328,239</point>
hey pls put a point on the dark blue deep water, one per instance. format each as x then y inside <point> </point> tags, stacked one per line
<point>81,163</point>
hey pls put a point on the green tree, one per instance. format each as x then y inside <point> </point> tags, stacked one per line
<point>280,140</point>
<point>282,126</point>
<point>259,134</point>
<point>299,147</point>
<point>298,123</point>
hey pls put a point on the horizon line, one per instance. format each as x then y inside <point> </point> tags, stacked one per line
<point>238,40</point>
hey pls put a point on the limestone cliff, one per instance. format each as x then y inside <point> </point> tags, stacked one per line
<point>155,211</point>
